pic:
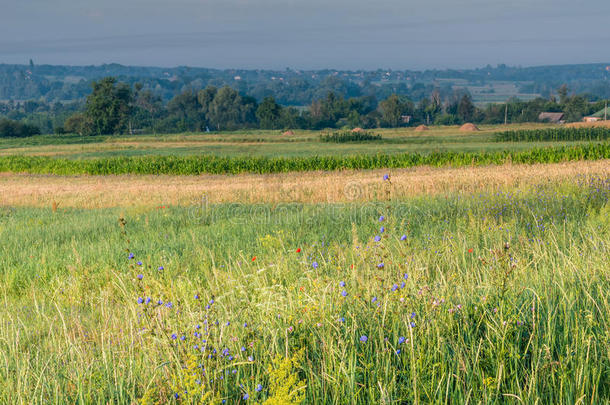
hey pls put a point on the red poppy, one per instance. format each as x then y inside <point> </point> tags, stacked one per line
<point>254,258</point>
<point>299,250</point>
<point>470,250</point>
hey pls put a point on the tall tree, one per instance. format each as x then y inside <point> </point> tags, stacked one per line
<point>268,113</point>
<point>393,108</point>
<point>108,107</point>
<point>465,108</point>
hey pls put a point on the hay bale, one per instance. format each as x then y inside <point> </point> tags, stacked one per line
<point>421,128</point>
<point>468,127</point>
<point>288,133</point>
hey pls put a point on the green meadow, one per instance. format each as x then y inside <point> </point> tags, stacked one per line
<point>494,297</point>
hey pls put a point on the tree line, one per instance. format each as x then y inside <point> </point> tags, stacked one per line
<point>115,107</point>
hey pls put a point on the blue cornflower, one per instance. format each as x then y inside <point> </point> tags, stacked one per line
<point>395,287</point>
<point>259,388</point>
<point>131,256</point>
<point>245,325</point>
<point>174,336</point>
<point>176,396</point>
<point>398,351</point>
<point>140,300</point>
<point>228,323</point>
<point>183,338</point>
<point>250,358</point>
<point>401,340</point>
<point>412,324</point>
<point>342,283</point>
<point>374,299</point>
<point>211,301</point>
<point>386,177</point>
<point>246,396</point>
<point>382,229</point>
<point>139,263</point>
<point>159,302</point>
<point>377,238</point>
<point>140,276</point>
<point>344,293</point>
<point>315,265</point>
<point>196,296</point>
<point>412,315</point>
<point>148,300</point>
<point>243,349</point>
<point>161,268</point>
<point>403,284</point>
<point>403,237</point>
<point>406,276</point>
<point>363,338</point>
<point>342,319</point>
<point>169,305</point>
<point>380,265</point>
<point>381,218</point>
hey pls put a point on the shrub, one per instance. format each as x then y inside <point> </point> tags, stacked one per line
<point>16,129</point>
<point>348,136</point>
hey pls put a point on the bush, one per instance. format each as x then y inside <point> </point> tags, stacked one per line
<point>348,136</point>
<point>16,129</point>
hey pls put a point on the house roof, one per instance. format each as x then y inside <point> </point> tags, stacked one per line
<point>550,116</point>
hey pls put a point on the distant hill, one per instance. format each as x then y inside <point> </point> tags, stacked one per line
<point>296,87</point>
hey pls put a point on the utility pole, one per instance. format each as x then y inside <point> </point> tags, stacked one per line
<point>505,113</point>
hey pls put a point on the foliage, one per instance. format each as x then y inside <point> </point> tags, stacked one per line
<point>108,108</point>
<point>285,386</point>
<point>349,136</point>
<point>16,129</point>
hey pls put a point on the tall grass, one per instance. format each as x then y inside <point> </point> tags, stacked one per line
<point>495,297</point>
<point>554,134</point>
<point>193,165</point>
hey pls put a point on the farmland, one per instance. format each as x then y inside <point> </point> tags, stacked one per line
<point>486,282</point>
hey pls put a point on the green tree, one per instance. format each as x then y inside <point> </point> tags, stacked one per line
<point>393,108</point>
<point>465,108</point>
<point>108,107</point>
<point>269,113</point>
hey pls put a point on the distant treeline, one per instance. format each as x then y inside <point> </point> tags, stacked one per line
<point>296,87</point>
<point>115,107</point>
<point>194,165</point>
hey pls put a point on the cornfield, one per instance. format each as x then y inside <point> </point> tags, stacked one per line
<point>194,165</point>
<point>555,134</point>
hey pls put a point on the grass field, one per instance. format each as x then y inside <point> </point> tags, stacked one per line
<point>489,296</point>
<point>266,143</point>
<point>473,284</point>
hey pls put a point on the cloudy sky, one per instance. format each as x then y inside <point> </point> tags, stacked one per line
<point>343,34</point>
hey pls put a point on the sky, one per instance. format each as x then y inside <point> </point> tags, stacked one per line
<point>312,34</point>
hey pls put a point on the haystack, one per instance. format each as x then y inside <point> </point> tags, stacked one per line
<point>468,127</point>
<point>288,133</point>
<point>421,128</point>
<point>358,129</point>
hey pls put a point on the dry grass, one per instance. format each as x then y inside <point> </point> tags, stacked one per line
<point>154,191</point>
<point>597,124</point>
